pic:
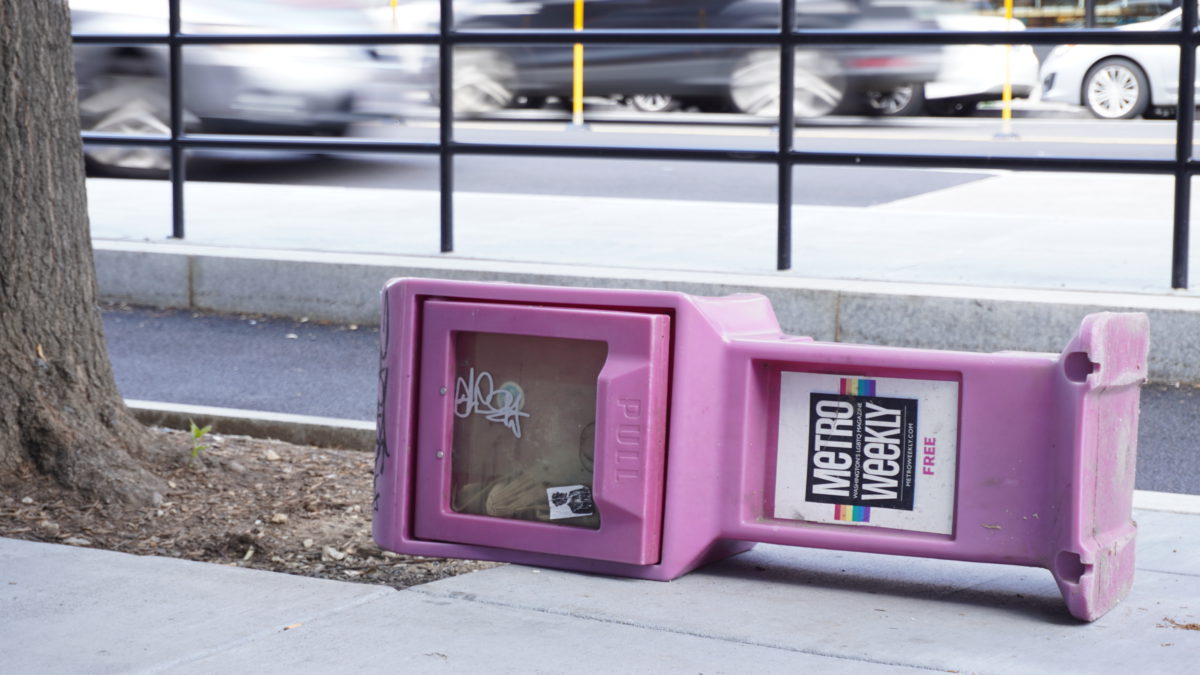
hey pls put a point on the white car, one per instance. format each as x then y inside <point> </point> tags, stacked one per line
<point>1117,81</point>
<point>969,75</point>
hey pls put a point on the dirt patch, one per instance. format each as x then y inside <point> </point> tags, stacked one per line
<point>244,502</point>
<point>1181,626</point>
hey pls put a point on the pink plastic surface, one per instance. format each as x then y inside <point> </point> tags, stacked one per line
<point>630,417</point>
<point>1046,443</point>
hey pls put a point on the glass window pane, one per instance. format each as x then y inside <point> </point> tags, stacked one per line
<point>525,427</point>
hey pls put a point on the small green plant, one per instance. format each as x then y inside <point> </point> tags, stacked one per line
<point>198,434</point>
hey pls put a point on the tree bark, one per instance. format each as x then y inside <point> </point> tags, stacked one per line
<point>60,412</point>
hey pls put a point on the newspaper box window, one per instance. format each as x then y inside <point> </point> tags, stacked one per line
<point>530,457</point>
<point>514,402</point>
<point>646,433</point>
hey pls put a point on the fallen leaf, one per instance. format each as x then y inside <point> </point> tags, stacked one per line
<point>1182,626</point>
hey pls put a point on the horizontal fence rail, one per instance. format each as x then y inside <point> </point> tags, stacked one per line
<point>597,36</point>
<point>786,38</point>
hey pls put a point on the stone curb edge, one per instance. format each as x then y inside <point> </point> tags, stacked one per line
<point>326,432</point>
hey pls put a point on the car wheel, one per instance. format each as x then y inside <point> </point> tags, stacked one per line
<point>1116,89</point>
<point>530,102</point>
<point>127,104</point>
<point>754,84</point>
<point>902,101</point>
<point>484,81</point>
<point>653,102</point>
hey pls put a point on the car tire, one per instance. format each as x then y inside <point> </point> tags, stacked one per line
<point>484,81</point>
<point>950,107</point>
<point>903,101</point>
<point>1155,112</point>
<point>127,104</point>
<point>754,84</point>
<point>529,102</point>
<point>1116,89</point>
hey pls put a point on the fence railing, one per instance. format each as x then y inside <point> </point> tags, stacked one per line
<point>1182,167</point>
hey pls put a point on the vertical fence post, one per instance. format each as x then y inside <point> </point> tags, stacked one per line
<point>787,128</point>
<point>446,124</point>
<point>1185,118</point>
<point>175,92</point>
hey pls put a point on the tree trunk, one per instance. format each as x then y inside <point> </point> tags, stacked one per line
<point>60,412</point>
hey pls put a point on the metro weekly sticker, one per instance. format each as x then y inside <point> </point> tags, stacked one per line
<point>875,452</point>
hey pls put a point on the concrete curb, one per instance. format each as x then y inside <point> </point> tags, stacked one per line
<point>1171,502</point>
<point>345,288</point>
<point>326,432</point>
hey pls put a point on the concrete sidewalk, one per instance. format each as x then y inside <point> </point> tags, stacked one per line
<point>774,609</point>
<point>1003,229</point>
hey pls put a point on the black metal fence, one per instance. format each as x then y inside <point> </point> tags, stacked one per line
<point>785,157</point>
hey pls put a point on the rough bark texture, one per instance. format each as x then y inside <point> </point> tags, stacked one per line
<point>60,412</point>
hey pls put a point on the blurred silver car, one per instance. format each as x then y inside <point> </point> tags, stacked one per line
<point>1117,81</point>
<point>249,89</point>
<point>828,78</point>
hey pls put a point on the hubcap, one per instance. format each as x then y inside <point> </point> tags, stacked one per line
<point>1113,91</point>
<point>127,106</point>
<point>890,102</point>
<point>820,84</point>
<point>483,82</point>
<point>652,102</point>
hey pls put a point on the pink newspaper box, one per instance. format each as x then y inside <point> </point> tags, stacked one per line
<point>645,433</point>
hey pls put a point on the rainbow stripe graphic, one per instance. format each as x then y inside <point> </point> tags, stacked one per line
<point>854,514</point>
<point>857,386</point>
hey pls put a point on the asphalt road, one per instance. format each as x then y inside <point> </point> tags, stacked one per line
<point>280,365</point>
<point>701,181</point>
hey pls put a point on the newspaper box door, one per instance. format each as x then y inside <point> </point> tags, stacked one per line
<point>542,429</point>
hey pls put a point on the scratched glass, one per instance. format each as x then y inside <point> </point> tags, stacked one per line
<point>524,427</point>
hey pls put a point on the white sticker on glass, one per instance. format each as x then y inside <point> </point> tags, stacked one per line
<point>570,501</point>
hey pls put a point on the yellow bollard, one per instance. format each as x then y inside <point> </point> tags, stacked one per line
<point>577,77</point>
<point>1006,130</point>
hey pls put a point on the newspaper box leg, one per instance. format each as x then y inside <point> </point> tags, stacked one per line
<point>1107,359</point>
